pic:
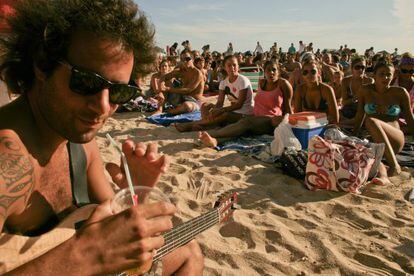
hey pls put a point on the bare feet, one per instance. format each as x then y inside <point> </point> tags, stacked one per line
<point>381,181</point>
<point>382,178</point>
<point>207,140</point>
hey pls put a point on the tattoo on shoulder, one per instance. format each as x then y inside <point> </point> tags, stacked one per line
<point>16,175</point>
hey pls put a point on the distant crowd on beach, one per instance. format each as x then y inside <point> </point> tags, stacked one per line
<point>370,93</point>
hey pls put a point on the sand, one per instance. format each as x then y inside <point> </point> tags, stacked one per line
<point>281,227</point>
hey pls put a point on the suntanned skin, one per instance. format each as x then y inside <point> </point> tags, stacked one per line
<point>35,181</point>
<point>312,91</point>
<point>382,127</point>
<point>256,125</point>
<point>193,84</point>
<point>214,115</point>
<point>357,80</point>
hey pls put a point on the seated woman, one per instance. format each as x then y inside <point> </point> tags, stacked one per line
<point>405,76</point>
<point>273,100</point>
<point>314,95</point>
<point>379,107</point>
<point>295,77</point>
<point>336,84</point>
<point>350,88</point>
<point>239,92</point>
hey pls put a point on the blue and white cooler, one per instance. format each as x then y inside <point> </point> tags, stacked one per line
<point>305,125</point>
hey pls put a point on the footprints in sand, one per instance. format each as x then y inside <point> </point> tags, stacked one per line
<point>378,265</point>
<point>239,231</point>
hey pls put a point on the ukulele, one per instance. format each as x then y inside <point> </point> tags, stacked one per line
<point>17,250</point>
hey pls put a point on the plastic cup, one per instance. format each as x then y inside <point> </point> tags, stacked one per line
<point>123,201</point>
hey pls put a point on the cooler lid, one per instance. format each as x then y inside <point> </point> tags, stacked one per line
<point>307,117</point>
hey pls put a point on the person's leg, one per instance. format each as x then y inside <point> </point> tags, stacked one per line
<point>223,119</point>
<point>253,125</point>
<point>382,176</point>
<point>160,98</point>
<point>186,260</point>
<point>392,137</point>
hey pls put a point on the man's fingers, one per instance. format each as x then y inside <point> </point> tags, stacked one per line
<point>159,225</point>
<point>156,209</point>
<point>128,147</point>
<point>140,149</point>
<point>151,152</point>
<point>145,248</point>
<point>164,163</point>
<point>116,174</point>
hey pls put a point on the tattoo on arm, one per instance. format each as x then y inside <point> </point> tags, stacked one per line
<point>16,175</point>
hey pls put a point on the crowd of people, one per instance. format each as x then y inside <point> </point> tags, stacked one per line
<point>373,92</point>
<point>72,72</point>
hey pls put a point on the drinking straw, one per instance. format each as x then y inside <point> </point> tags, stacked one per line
<point>126,169</point>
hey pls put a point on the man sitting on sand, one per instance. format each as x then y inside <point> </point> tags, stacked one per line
<point>72,73</point>
<point>187,97</point>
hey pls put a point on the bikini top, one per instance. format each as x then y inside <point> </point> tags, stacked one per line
<point>323,105</point>
<point>393,110</point>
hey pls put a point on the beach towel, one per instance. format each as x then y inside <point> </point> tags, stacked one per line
<point>254,146</point>
<point>167,119</point>
<point>406,157</point>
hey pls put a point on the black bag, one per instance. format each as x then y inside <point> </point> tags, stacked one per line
<point>294,163</point>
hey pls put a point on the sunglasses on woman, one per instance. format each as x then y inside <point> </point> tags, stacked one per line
<point>313,72</point>
<point>88,83</point>
<point>407,71</point>
<point>359,67</point>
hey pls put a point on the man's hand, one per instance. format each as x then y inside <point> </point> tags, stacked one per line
<point>144,162</point>
<point>112,243</point>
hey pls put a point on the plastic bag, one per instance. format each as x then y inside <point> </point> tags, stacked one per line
<point>284,138</point>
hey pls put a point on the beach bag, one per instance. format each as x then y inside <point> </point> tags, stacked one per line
<point>293,162</point>
<point>339,166</point>
<point>284,138</point>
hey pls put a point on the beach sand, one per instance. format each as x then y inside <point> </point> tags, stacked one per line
<point>281,227</point>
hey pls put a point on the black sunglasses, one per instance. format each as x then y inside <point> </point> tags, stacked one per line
<point>313,72</point>
<point>89,83</point>
<point>407,71</point>
<point>187,58</point>
<point>359,67</point>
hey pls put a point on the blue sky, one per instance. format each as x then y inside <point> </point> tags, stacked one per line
<point>384,24</point>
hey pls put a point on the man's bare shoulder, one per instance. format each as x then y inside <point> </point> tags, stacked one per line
<point>91,150</point>
<point>16,174</point>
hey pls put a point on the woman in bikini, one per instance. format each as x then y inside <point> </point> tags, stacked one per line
<point>314,95</point>
<point>350,88</point>
<point>379,107</point>
<point>405,76</point>
<point>272,102</point>
<point>239,92</point>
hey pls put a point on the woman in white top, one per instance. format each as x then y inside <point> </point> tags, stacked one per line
<point>238,90</point>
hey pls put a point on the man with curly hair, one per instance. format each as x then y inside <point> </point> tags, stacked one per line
<point>71,61</point>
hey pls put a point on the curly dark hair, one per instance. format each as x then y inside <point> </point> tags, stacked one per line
<point>41,31</point>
